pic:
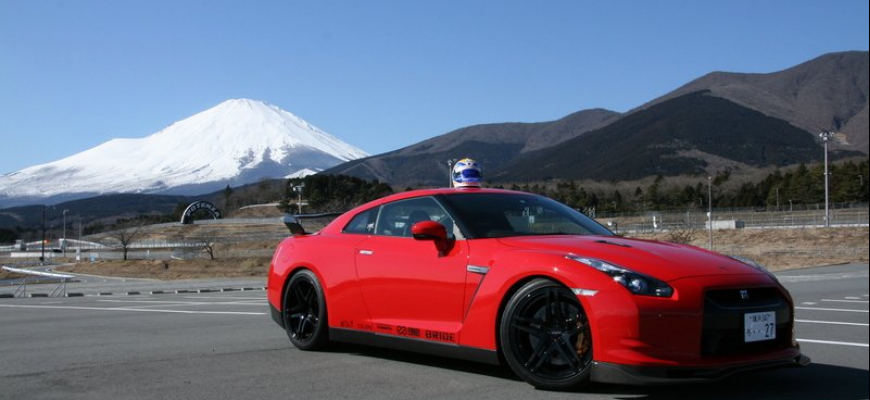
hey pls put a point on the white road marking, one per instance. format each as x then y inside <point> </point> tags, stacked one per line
<point>226,297</point>
<point>850,300</point>
<point>828,309</point>
<point>806,321</point>
<point>132,309</point>
<point>166,304</point>
<point>825,277</point>
<point>853,298</point>
<point>834,343</point>
<point>190,303</point>
<point>809,303</point>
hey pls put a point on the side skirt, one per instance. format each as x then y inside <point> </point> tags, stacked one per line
<point>276,316</point>
<point>414,345</point>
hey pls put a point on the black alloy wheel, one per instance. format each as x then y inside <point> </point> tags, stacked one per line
<point>545,337</point>
<point>305,312</point>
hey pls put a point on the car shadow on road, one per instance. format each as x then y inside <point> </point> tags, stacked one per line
<point>814,382</point>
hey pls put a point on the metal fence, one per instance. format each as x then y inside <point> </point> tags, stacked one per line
<point>653,221</point>
<point>629,223</point>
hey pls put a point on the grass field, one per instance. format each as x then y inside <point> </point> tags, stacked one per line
<point>781,249</point>
<point>778,249</point>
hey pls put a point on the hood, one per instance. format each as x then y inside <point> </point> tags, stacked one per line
<point>662,260</point>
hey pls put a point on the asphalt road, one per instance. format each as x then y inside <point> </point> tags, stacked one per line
<point>225,346</point>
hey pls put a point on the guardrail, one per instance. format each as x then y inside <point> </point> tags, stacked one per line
<point>21,290</point>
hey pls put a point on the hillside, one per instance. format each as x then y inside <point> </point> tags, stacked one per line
<point>827,93</point>
<point>494,145</point>
<point>683,135</point>
<point>99,209</point>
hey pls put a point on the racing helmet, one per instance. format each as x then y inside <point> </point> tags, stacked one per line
<point>466,173</point>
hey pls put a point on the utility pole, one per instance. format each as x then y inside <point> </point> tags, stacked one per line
<point>825,135</point>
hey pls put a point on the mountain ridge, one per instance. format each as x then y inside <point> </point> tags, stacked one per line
<point>813,95</point>
<point>673,137</point>
<point>494,145</point>
<point>828,92</point>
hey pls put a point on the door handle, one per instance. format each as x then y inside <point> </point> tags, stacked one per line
<point>366,252</point>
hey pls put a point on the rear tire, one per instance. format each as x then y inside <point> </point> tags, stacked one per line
<point>545,337</point>
<point>304,314</point>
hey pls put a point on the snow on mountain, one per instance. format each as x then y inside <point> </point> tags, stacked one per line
<point>236,142</point>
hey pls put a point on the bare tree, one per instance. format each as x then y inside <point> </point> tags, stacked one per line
<point>127,234</point>
<point>683,233</point>
<point>206,239</point>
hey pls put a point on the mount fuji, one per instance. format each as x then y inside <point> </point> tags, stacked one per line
<point>234,143</point>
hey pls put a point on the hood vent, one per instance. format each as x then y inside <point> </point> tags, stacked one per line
<point>612,243</point>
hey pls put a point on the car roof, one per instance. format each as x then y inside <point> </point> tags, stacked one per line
<point>440,191</point>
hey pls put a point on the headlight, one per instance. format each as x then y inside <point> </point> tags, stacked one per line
<point>635,282</point>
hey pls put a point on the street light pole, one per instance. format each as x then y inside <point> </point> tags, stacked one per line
<point>825,136</point>
<point>63,245</point>
<point>710,211</point>
<point>450,163</point>
<point>298,190</point>
<point>42,256</point>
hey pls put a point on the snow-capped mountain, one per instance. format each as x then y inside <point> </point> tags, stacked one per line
<point>235,143</point>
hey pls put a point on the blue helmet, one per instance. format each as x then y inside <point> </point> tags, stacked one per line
<point>466,173</point>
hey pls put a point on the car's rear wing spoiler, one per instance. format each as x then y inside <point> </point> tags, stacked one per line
<point>292,221</point>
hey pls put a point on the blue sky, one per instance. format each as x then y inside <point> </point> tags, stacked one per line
<point>378,74</point>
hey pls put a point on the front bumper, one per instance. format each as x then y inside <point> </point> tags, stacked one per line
<point>633,375</point>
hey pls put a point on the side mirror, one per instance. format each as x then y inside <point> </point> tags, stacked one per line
<point>429,230</point>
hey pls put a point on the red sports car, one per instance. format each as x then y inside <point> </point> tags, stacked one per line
<point>502,276</point>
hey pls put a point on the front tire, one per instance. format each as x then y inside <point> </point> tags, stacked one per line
<point>305,317</point>
<point>545,337</point>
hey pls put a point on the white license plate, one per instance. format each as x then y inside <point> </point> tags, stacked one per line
<point>759,326</point>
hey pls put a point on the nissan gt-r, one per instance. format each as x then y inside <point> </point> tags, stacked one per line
<point>509,277</point>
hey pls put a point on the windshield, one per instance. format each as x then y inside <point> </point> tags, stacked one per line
<point>497,215</point>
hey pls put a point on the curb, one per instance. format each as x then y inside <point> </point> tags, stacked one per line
<point>138,293</point>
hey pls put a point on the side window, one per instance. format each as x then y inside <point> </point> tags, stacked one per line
<point>363,223</point>
<point>397,218</point>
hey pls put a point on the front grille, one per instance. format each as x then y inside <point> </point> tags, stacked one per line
<point>723,321</point>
